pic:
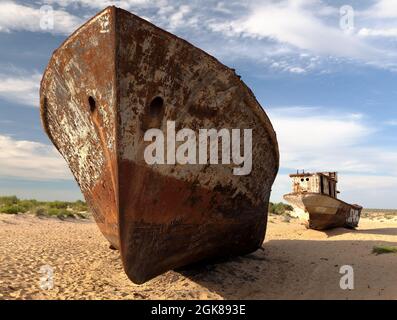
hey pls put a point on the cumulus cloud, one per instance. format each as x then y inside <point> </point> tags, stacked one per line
<point>313,139</point>
<point>317,137</point>
<point>368,182</point>
<point>17,17</point>
<point>177,18</point>
<point>20,88</point>
<point>100,4</point>
<point>369,191</point>
<point>384,9</point>
<point>296,23</point>
<point>31,160</point>
<point>369,32</point>
<point>233,29</point>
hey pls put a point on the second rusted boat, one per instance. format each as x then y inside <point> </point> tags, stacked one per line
<point>314,199</point>
<point>119,76</point>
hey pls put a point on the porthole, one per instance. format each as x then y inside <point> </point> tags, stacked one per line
<point>91,102</point>
<point>155,106</point>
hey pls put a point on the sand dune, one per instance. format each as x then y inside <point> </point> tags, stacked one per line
<point>295,263</point>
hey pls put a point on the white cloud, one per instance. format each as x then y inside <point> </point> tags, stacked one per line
<point>318,137</point>
<point>20,88</point>
<point>265,31</point>
<point>261,29</point>
<point>369,191</point>
<point>368,32</point>
<point>100,4</point>
<point>177,18</point>
<point>382,9</point>
<point>367,182</point>
<point>17,17</point>
<point>297,23</point>
<point>31,160</point>
<point>297,70</point>
<point>288,62</point>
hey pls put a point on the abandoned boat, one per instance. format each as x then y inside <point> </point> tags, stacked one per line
<point>314,198</point>
<point>119,76</point>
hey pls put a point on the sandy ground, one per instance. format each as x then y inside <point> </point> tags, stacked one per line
<point>295,263</point>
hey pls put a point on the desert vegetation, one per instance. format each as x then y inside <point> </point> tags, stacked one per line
<point>59,209</point>
<point>384,249</point>
<point>386,214</point>
<point>279,208</point>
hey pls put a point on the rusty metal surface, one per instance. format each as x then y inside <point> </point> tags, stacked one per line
<point>96,97</point>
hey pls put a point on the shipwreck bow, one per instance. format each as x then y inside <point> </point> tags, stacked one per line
<point>117,77</point>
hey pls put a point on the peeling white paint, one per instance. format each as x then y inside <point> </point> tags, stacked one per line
<point>104,23</point>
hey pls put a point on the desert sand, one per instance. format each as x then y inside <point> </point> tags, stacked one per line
<point>295,263</point>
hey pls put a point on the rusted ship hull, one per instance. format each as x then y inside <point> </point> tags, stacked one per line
<point>325,212</point>
<point>101,92</point>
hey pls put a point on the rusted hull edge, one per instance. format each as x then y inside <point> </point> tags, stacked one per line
<point>98,44</point>
<point>116,92</point>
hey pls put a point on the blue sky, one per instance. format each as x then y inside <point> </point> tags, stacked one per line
<point>326,78</point>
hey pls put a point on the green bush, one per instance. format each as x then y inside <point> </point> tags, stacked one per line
<point>57,212</point>
<point>13,209</point>
<point>279,208</point>
<point>384,249</point>
<point>29,204</point>
<point>58,204</point>
<point>8,200</point>
<point>39,211</point>
<point>62,209</point>
<point>79,206</point>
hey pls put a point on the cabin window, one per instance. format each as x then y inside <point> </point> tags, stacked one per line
<point>307,179</point>
<point>302,179</point>
<point>155,106</point>
<point>91,102</point>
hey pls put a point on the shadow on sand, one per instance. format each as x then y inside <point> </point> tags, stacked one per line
<point>378,231</point>
<point>301,269</point>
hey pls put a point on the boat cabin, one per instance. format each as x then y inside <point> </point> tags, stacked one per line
<point>319,182</point>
